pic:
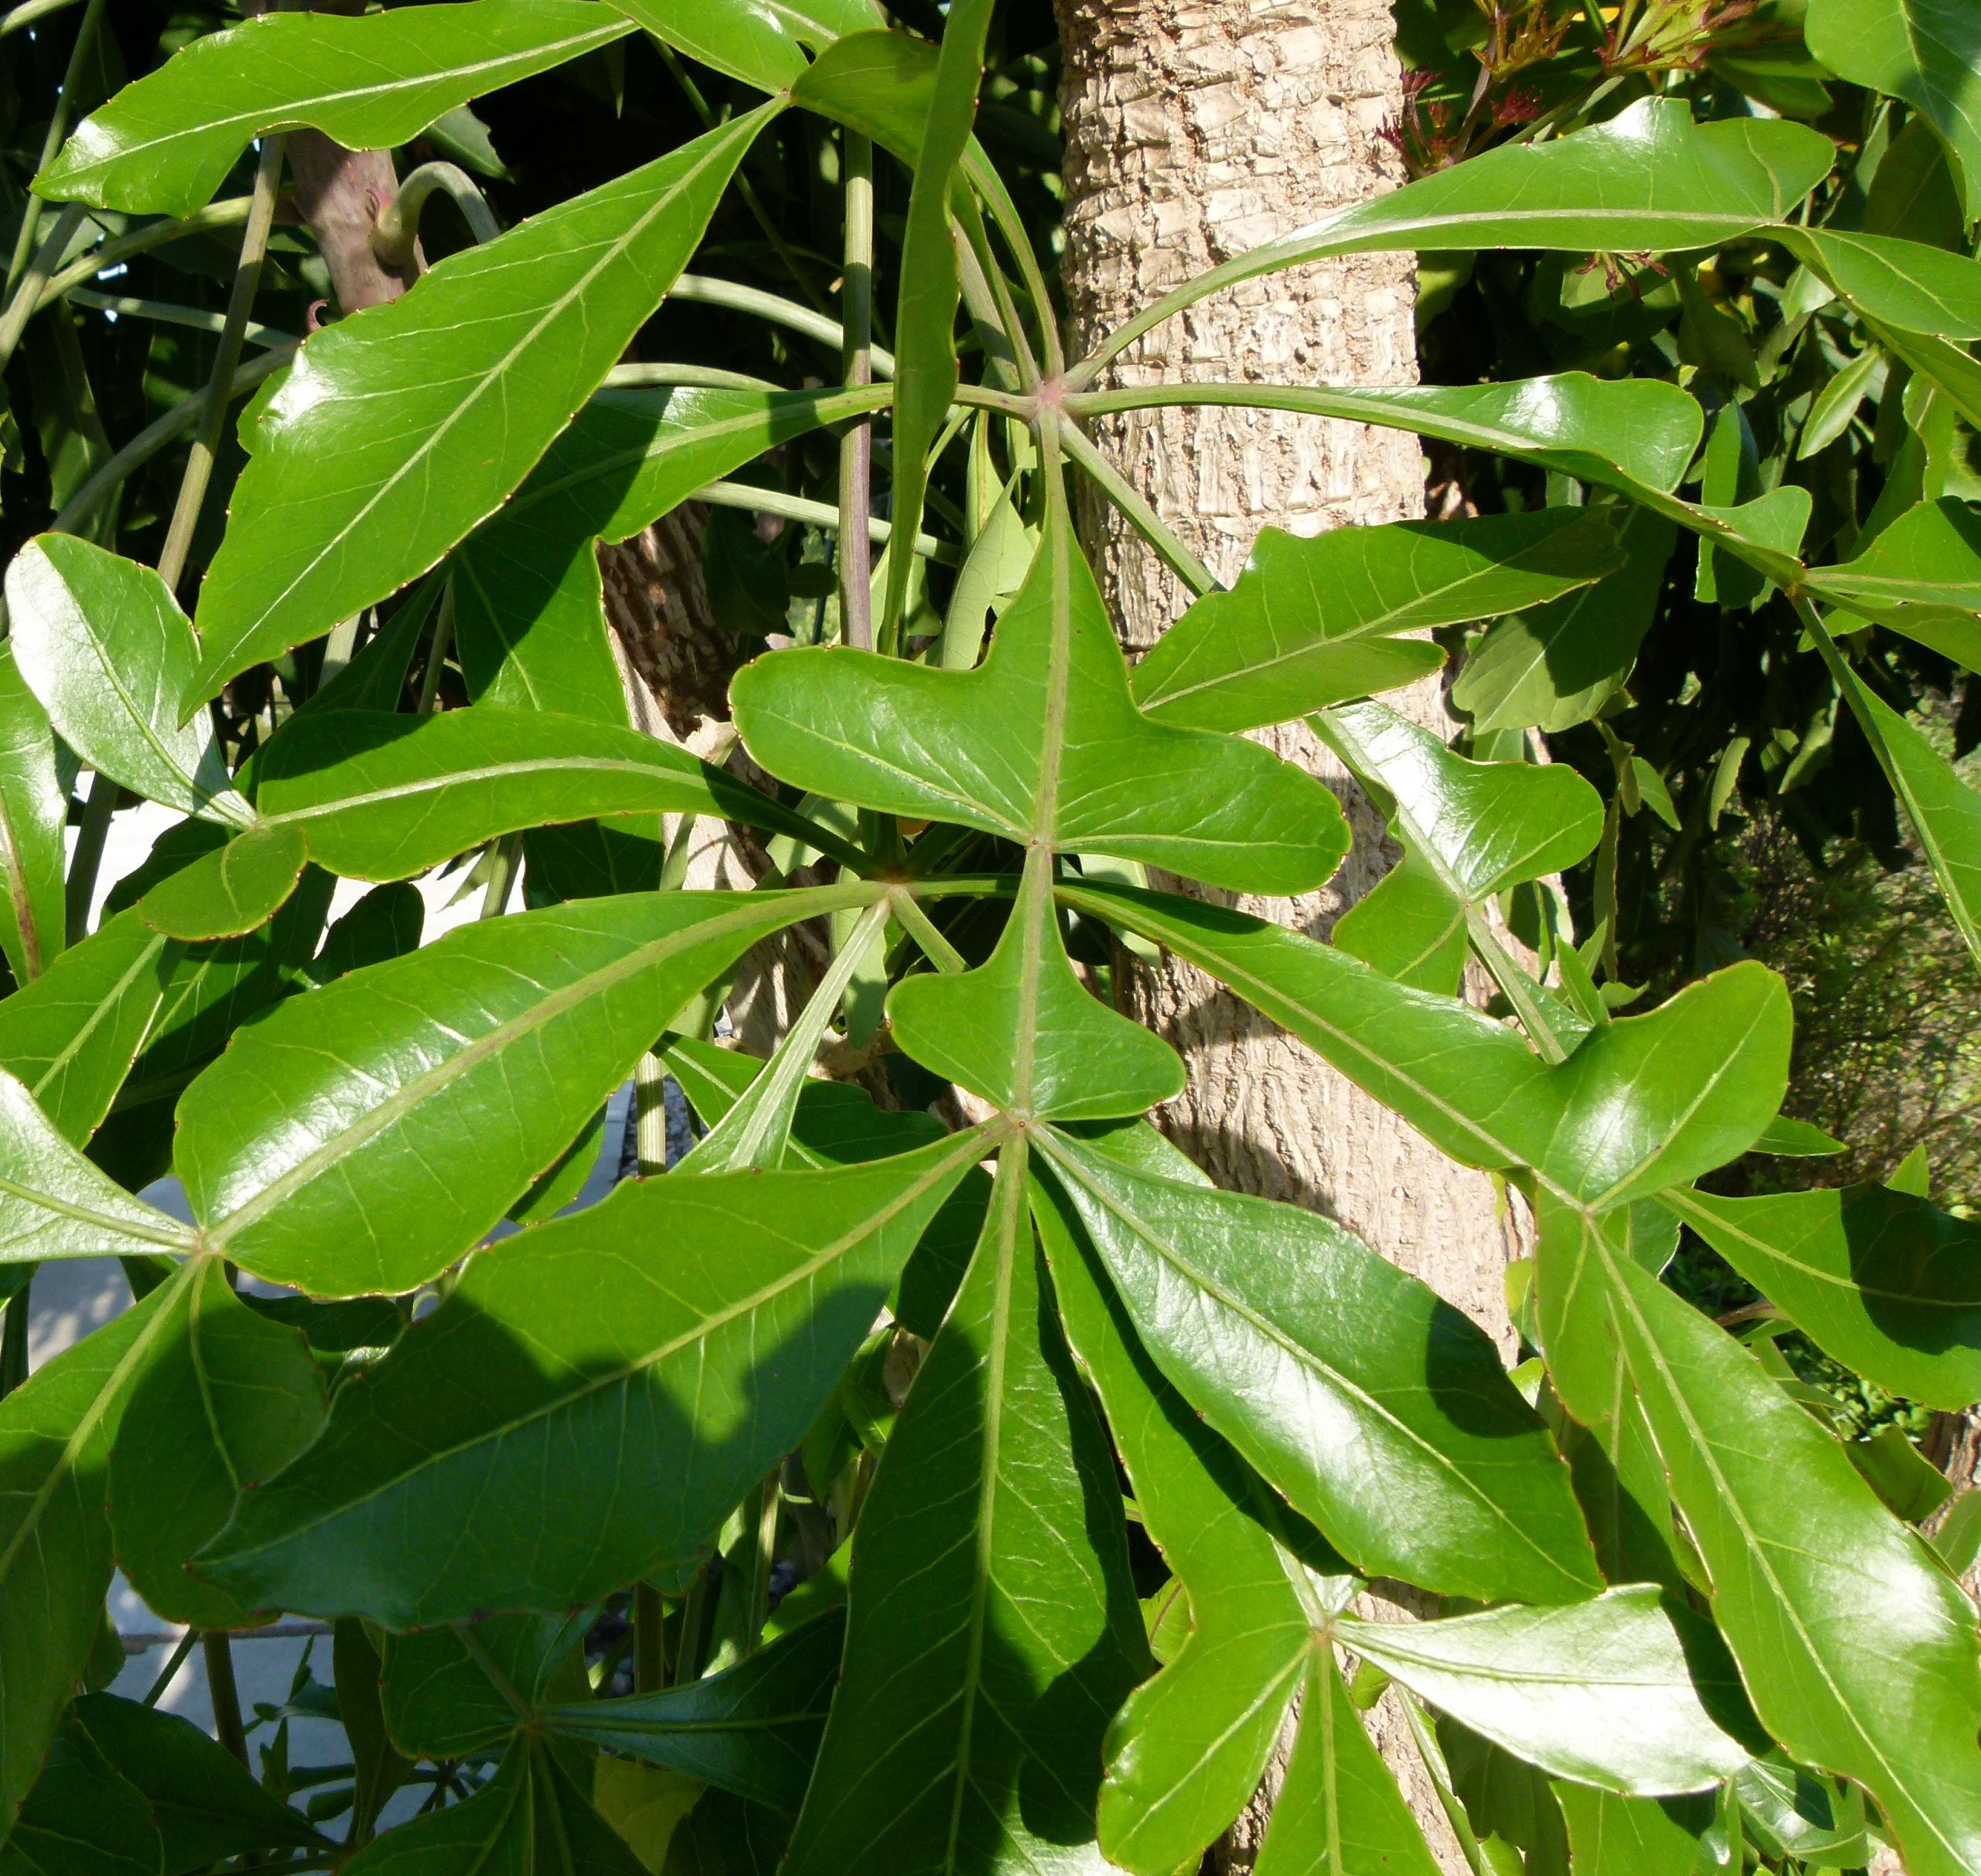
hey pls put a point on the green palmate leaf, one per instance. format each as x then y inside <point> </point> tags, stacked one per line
<point>1632,1837</point>
<point>69,1037</point>
<point>230,892</point>
<point>163,145</point>
<point>1379,1412</point>
<point>1600,1691</point>
<point>323,1149</point>
<point>529,1820</point>
<point>1921,576</point>
<point>206,1804</point>
<point>926,313</point>
<point>1469,830</point>
<point>1886,1283</point>
<point>384,797</point>
<point>392,436</point>
<point>529,616</point>
<point>102,643</point>
<point>439,1691</point>
<point>226,1399</point>
<point>683,1334</point>
<point>1557,665</point>
<point>54,1203</point>
<point>1923,51</point>
<point>1338,1812</point>
<point>1314,622</point>
<point>34,809</point>
<point>993,1628</point>
<point>1644,1104</point>
<point>753,1729</point>
<point>56,1433</point>
<point>1188,1748</point>
<point>83,1818</point>
<point>1858,1651</point>
<point>1041,743</point>
<point>764,43</point>
<point>1022,1033</point>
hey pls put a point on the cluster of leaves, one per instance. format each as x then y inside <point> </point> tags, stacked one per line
<point>1677,1621</point>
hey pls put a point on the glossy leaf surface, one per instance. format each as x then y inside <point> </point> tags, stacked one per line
<point>230,892</point>
<point>1314,622</point>
<point>763,44</point>
<point>33,811</point>
<point>164,145</point>
<point>1921,576</point>
<point>308,1171</point>
<point>685,1332</point>
<point>392,436</point>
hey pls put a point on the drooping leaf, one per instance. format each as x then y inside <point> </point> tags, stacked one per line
<point>529,1820</point>
<point>1338,1812</point>
<point>1469,830</point>
<point>392,436</point>
<point>206,1804</point>
<point>33,811</point>
<point>1188,1747</point>
<point>69,1037</point>
<point>1643,1103</point>
<point>1599,1691</point>
<point>684,1332</point>
<point>763,44</point>
<point>1041,741</point>
<point>1921,576</point>
<point>1887,1283</point>
<point>1314,622</point>
<point>56,1433</point>
<point>753,1728</point>
<point>1380,1412</point>
<point>231,891</point>
<point>83,1817</point>
<point>1923,51</point>
<point>1907,284</point>
<point>104,646</point>
<point>530,616</point>
<point>437,1688</point>
<point>323,1147</point>
<point>162,145</point>
<point>226,1399</point>
<point>993,1628</point>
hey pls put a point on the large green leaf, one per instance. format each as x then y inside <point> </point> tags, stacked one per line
<point>1469,830</point>
<point>1382,1412</point>
<point>104,645</point>
<point>55,1433</point>
<point>1599,1691</point>
<point>530,612</point>
<point>1632,1837</point>
<point>529,1820</point>
<point>69,1037</point>
<point>1907,284</point>
<point>324,1148</point>
<point>439,1687</point>
<point>206,1804</point>
<point>1041,743</point>
<point>680,1337</point>
<point>1859,1652</point>
<point>764,43</point>
<point>54,1203</point>
<point>34,809</point>
<point>393,435</point>
<point>1888,1284</point>
<point>1644,1104</point>
<point>993,1628</point>
<point>226,1399</point>
<point>753,1729</point>
<point>1338,1812</point>
<point>1921,576</point>
<point>82,1818</point>
<point>163,145</point>
<point>1925,51</point>
<point>1188,1748</point>
<point>1313,621</point>
<point>383,796</point>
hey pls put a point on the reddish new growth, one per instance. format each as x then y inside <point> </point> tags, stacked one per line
<point>1675,35</point>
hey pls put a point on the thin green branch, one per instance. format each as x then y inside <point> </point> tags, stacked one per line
<point>396,233</point>
<point>1138,513</point>
<point>58,130</point>
<point>856,457</point>
<point>127,306</point>
<point>699,289</point>
<point>232,213</point>
<point>820,514</point>
<point>27,297</point>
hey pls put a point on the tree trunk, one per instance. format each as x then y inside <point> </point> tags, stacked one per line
<point>1196,129</point>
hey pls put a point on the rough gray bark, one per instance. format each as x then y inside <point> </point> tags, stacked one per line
<point>1196,129</point>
